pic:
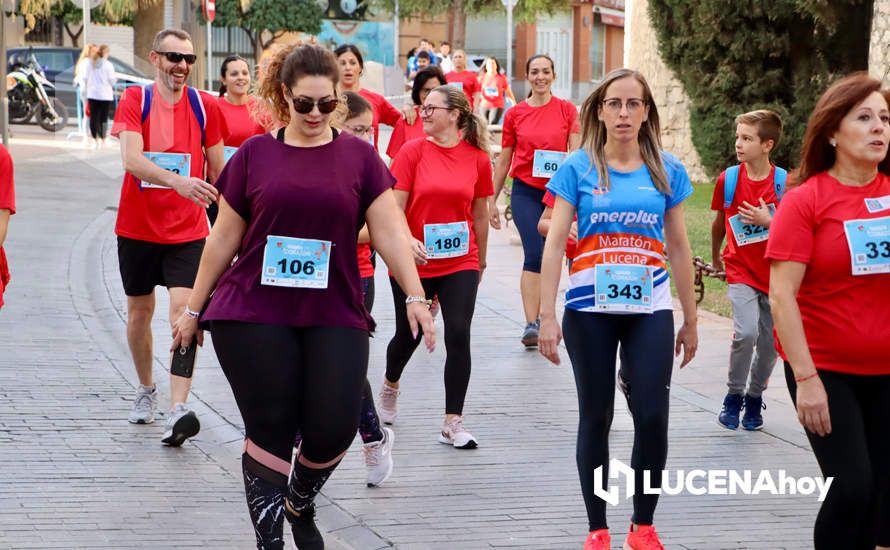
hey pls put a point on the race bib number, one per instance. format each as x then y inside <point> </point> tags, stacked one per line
<point>749,233</point>
<point>623,287</point>
<point>296,263</point>
<point>178,163</point>
<point>228,152</point>
<point>446,240</point>
<point>869,242</point>
<point>458,85</point>
<point>878,204</point>
<point>546,163</point>
<point>491,91</point>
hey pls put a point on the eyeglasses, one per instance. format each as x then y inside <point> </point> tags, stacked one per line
<point>428,110</point>
<point>360,130</point>
<point>176,57</point>
<point>614,105</point>
<point>304,105</point>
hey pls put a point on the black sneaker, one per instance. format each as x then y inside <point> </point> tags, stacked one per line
<point>302,526</point>
<point>181,425</point>
<point>530,334</point>
<point>753,420</point>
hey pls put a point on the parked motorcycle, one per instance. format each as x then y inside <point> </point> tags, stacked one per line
<point>30,94</point>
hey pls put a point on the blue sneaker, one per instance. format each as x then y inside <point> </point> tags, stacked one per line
<point>732,406</point>
<point>753,420</point>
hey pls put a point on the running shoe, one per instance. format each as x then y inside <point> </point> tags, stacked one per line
<point>387,405</point>
<point>598,540</point>
<point>753,420</point>
<point>454,433</point>
<point>302,526</point>
<point>732,406</point>
<point>378,458</point>
<point>145,406</point>
<point>644,538</point>
<point>181,425</point>
<point>530,334</point>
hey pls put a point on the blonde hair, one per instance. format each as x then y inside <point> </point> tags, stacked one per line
<point>99,53</point>
<point>593,131</point>
<point>473,126</point>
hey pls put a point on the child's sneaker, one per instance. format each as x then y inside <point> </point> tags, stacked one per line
<point>644,538</point>
<point>753,420</point>
<point>598,540</point>
<point>732,407</point>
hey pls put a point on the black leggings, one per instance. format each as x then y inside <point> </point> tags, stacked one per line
<point>647,341</point>
<point>457,298</point>
<point>98,117</point>
<point>288,379</point>
<point>856,513</point>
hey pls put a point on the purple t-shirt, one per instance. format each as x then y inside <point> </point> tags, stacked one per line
<point>304,192</point>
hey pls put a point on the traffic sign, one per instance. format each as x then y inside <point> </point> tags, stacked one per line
<point>209,10</point>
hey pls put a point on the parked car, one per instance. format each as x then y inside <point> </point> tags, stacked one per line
<point>58,65</point>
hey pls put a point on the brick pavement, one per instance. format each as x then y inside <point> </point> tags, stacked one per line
<point>67,382</point>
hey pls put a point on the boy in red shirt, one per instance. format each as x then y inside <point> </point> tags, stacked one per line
<point>167,133</point>
<point>745,198</point>
<point>7,209</point>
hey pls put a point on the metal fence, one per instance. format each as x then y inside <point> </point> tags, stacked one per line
<point>228,41</point>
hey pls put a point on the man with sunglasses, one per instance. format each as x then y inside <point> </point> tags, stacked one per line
<point>168,133</point>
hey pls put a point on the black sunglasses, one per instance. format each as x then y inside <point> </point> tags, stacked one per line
<point>304,105</point>
<point>176,57</point>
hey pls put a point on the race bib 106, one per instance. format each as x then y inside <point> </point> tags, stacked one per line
<point>295,263</point>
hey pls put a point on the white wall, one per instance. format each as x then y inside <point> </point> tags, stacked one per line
<point>119,39</point>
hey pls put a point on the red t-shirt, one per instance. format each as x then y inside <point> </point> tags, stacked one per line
<point>469,82</point>
<point>498,85</point>
<point>442,183</point>
<point>162,215</point>
<point>571,244</point>
<point>528,128</point>
<point>846,318</point>
<point>383,111</point>
<point>746,264</point>
<point>403,133</point>
<point>239,122</point>
<point>7,202</point>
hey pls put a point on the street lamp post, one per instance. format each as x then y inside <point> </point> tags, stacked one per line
<point>509,4</point>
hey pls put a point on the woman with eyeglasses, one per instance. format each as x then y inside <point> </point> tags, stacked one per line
<point>351,64</point>
<point>628,196</point>
<point>426,80</point>
<point>537,133</point>
<point>287,319</point>
<point>442,184</point>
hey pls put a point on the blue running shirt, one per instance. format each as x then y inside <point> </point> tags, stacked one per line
<point>621,225</point>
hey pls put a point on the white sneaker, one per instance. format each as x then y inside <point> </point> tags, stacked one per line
<point>378,458</point>
<point>145,406</point>
<point>181,425</point>
<point>387,407</point>
<point>453,433</point>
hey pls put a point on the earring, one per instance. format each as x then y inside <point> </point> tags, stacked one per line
<point>833,142</point>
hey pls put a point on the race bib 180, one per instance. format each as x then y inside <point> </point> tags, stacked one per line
<point>869,242</point>
<point>446,240</point>
<point>178,163</point>
<point>623,287</point>
<point>296,263</point>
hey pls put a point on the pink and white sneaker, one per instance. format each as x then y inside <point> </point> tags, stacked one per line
<point>387,405</point>
<point>454,433</point>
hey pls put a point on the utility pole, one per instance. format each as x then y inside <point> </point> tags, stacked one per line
<point>509,4</point>
<point>4,102</point>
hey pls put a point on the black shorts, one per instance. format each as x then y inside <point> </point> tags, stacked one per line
<point>145,265</point>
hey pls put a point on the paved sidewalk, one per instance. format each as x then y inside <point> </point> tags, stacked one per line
<point>74,473</point>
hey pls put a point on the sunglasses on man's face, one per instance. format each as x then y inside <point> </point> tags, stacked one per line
<point>304,105</point>
<point>176,57</point>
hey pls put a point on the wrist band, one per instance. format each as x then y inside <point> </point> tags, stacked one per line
<point>192,314</point>
<point>805,378</point>
<point>418,299</point>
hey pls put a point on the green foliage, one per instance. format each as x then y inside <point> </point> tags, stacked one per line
<point>525,10</point>
<point>266,20</point>
<point>734,56</point>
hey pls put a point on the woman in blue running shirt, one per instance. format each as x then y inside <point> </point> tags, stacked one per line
<point>627,194</point>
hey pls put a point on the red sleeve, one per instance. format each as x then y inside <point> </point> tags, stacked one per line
<point>572,117</point>
<point>389,115</point>
<point>396,140</point>
<point>404,165</point>
<point>484,185</point>
<point>215,129</point>
<point>7,184</point>
<point>128,116</point>
<point>477,86</point>
<point>508,133</point>
<point>792,231</point>
<point>549,200</point>
<point>717,198</point>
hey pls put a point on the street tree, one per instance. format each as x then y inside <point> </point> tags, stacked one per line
<point>265,21</point>
<point>733,57</point>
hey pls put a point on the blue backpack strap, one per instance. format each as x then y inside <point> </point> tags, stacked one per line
<point>198,110</point>
<point>146,101</point>
<point>779,180</point>
<point>730,180</point>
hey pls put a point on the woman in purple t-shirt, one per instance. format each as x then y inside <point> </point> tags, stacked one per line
<point>287,319</point>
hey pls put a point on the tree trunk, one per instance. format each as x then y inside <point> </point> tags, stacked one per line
<point>74,36</point>
<point>458,20</point>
